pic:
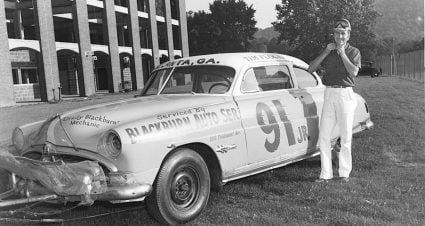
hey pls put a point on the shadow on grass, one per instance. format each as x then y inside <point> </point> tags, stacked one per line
<point>303,171</point>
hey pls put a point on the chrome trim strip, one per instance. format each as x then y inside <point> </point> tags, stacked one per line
<point>266,168</point>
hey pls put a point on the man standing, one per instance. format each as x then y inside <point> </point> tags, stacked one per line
<point>341,63</point>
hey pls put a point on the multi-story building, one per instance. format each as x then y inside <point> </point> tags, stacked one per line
<point>82,47</point>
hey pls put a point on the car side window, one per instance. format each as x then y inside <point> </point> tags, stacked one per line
<point>267,78</point>
<point>304,78</point>
<point>250,83</point>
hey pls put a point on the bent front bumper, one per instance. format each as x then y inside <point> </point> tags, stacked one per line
<point>128,192</point>
<point>114,194</point>
<point>82,181</point>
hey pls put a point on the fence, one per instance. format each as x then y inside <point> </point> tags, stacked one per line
<point>407,65</point>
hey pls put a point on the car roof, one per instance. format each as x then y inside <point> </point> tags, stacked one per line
<point>235,60</point>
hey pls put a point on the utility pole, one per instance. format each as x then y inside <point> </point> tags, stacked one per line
<point>393,60</point>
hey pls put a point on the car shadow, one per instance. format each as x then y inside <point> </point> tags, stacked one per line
<point>302,171</point>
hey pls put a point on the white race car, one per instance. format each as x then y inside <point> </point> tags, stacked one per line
<point>200,122</point>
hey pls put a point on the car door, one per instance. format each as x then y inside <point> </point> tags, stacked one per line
<point>310,94</point>
<point>270,114</point>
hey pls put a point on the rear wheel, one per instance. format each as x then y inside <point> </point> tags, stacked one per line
<point>181,189</point>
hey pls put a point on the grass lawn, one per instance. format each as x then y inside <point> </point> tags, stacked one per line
<point>388,184</point>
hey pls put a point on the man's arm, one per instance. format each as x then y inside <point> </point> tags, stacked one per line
<point>352,69</point>
<point>315,64</point>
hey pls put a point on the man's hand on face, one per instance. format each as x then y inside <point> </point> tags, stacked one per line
<point>330,47</point>
<point>341,50</point>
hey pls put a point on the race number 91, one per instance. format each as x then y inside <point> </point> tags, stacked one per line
<point>272,127</point>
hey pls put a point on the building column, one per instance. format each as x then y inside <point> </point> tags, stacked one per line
<point>6,81</point>
<point>154,32</point>
<point>85,59</point>
<point>183,28</point>
<point>112,40</point>
<point>169,26</point>
<point>48,72</point>
<point>136,63</point>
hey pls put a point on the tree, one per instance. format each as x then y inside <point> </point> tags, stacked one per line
<point>410,45</point>
<point>307,25</point>
<point>228,28</point>
<point>402,20</point>
<point>258,45</point>
<point>276,46</point>
<point>202,33</point>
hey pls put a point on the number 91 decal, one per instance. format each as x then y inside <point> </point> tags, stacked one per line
<point>272,126</point>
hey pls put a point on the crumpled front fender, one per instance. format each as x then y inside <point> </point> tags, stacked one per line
<point>65,179</point>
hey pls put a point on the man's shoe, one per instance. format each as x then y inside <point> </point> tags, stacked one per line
<point>321,180</point>
<point>344,179</point>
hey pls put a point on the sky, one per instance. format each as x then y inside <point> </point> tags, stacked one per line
<point>264,15</point>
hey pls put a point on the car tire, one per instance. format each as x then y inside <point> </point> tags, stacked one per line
<point>181,189</point>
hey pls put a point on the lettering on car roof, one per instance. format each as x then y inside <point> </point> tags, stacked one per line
<point>264,57</point>
<point>186,62</point>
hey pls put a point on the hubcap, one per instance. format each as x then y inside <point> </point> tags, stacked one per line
<point>183,188</point>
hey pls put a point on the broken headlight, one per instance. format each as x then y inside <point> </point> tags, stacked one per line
<point>18,139</point>
<point>112,144</point>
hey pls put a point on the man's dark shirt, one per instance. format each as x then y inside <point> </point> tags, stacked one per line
<point>335,72</point>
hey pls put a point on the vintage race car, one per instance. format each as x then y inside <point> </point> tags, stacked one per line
<point>200,122</point>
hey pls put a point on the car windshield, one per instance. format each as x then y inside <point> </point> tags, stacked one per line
<point>191,80</point>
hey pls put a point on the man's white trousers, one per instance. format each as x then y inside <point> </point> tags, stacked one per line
<point>338,113</point>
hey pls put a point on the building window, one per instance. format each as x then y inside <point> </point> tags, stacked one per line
<point>176,38</point>
<point>174,9</point>
<point>160,8</point>
<point>29,75</point>
<point>122,3</point>
<point>15,76</point>
<point>162,36</point>
<point>145,33</point>
<point>96,34</point>
<point>142,5</point>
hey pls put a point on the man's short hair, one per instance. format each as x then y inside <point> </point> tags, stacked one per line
<point>342,24</point>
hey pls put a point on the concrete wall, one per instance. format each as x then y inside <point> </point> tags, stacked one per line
<point>27,92</point>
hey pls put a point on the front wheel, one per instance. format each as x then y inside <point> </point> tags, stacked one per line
<point>181,189</point>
